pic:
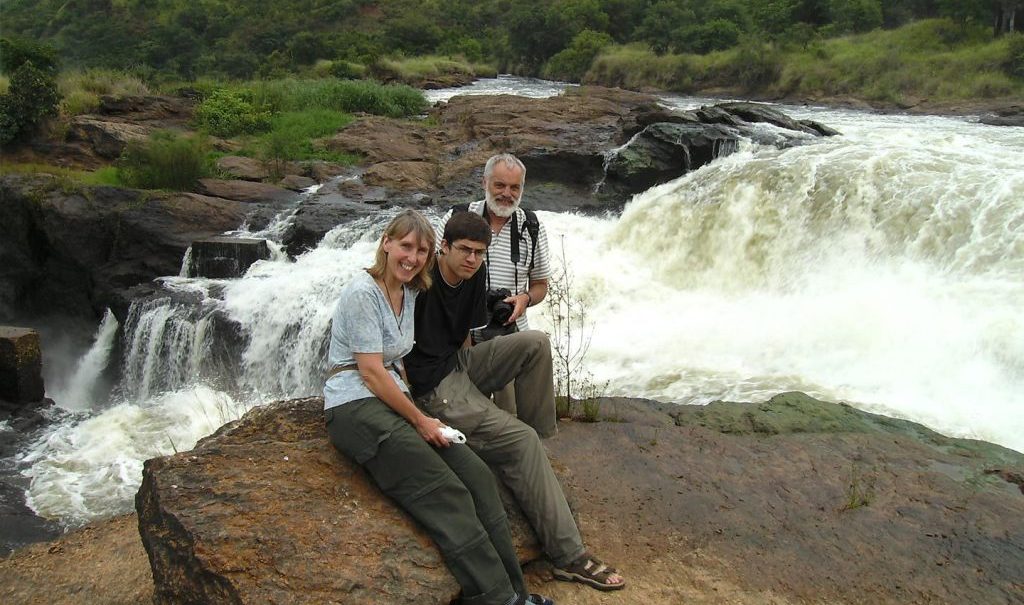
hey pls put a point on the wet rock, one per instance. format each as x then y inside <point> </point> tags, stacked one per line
<point>225,257</point>
<point>245,191</point>
<point>1005,116</point>
<point>266,510</point>
<point>21,366</point>
<point>242,168</point>
<point>296,182</point>
<point>664,151</point>
<point>77,251</point>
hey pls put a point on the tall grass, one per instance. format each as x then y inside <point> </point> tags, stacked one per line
<point>293,136</point>
<point>416,68</point>
<point>349,96</point>
<point>81,90</point>
<point>164,161</point>
<point>933,59</point>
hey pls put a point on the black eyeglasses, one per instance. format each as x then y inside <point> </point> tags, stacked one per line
<point>467,251</point>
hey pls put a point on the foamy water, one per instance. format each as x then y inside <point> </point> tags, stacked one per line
<point>882,268</point>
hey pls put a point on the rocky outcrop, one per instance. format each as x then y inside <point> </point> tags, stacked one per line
<point>826,503</point>
<point>75,250</point>
<point>21,366</point>
<point>265,510</point>
<point>242,168</point>
<point>1005,116</point>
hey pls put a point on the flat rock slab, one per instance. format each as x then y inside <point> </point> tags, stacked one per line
<point>792,500</point>
<point>245,191</point>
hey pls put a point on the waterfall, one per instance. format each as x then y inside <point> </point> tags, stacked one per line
<point>81,391</point>
<point>880,268</point>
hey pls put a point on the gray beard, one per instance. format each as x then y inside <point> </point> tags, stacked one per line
<point>497,210</point>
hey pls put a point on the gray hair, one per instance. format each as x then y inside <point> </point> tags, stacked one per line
<point>510,161</point>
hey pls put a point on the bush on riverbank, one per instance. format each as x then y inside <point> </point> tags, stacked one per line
<point>933,59</point>
<point>165,161</point>
<point>82,89</point>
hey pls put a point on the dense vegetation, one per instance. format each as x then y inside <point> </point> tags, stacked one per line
<point>244,40</point>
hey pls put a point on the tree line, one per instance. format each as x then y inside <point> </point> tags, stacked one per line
<point>240,39</point>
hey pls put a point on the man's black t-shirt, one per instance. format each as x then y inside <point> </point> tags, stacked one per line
<point>444,315</point>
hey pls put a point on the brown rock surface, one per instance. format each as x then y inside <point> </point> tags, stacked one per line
<point>793,500</point>
<point>245,191</point>
<point>246,169</point>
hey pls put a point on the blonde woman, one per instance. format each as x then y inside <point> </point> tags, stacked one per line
<point>371,419</point>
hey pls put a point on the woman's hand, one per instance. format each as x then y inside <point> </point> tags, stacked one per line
<point>430,429</point>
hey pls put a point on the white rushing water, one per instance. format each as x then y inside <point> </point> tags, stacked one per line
<point>882,268</point>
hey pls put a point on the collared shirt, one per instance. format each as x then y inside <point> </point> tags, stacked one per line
<point>501,272</point>
<point>364,322</point>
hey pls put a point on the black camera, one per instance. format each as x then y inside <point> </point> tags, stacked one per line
<point>499,312</point>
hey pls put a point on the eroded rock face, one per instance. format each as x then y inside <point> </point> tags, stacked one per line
<point>791,500</point>
<point>77,251</point>
<point>267,511</point>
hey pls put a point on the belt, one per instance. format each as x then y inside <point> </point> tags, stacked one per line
<point>352,366</point>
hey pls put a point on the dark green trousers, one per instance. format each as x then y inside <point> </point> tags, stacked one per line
<point>450,491</point>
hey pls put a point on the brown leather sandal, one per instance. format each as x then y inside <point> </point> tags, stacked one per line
<point>590,571</point>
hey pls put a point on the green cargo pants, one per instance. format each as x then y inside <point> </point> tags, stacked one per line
<point>449,491</point>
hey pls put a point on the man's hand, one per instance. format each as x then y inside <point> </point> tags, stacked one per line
<point>519,303</point>
<point>430,429</point>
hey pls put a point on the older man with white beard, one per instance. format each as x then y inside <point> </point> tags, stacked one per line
<point>518,258</point>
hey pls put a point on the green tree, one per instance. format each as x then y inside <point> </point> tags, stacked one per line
<point>573,62</point>
<point>31,97</point>
<point>963,11</point>
<point>14,52</point>
<point>854,16</point>
<point>661,23</point>
<point>717,34</point>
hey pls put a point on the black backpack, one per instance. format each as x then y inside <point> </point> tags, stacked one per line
<point>532,227</point>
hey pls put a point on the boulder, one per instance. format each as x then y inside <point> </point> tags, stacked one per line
<point>245,191</point>
<point>246,169</point>
<point>1012,115</point>
<point>107,138</point>
<point>265,510</point>
<point>827,503</point>
<point>225,257</point>
<point>296,182</point>
<point>664,151</point>
<point>21,365</point>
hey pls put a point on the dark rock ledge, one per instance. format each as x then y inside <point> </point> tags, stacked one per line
<point>788,501</point>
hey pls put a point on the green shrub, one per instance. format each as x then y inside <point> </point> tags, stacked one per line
<point>754,64</point>
<point>78,102</point>
<point>226,113</point>
<point>165,161</point>
<point>345,70</point>
<point>573,62</point>
<point>31,97</point>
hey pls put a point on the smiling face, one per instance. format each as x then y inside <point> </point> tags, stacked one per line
<point>406,256</point>
<point>462,259</point>
<point>504,189</point>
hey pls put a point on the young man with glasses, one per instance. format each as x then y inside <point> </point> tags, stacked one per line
<point>451,379</point>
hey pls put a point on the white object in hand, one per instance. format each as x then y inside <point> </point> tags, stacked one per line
<point>452,435</point>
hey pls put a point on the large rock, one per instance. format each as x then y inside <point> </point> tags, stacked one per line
<point>788,501</point>
<point>107,138</point>
<point>246,169</point>
<point>76,251</point>
<point>21,365</point>
<point>267,511</point>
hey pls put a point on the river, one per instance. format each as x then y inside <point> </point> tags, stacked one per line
<point>883,268</point>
